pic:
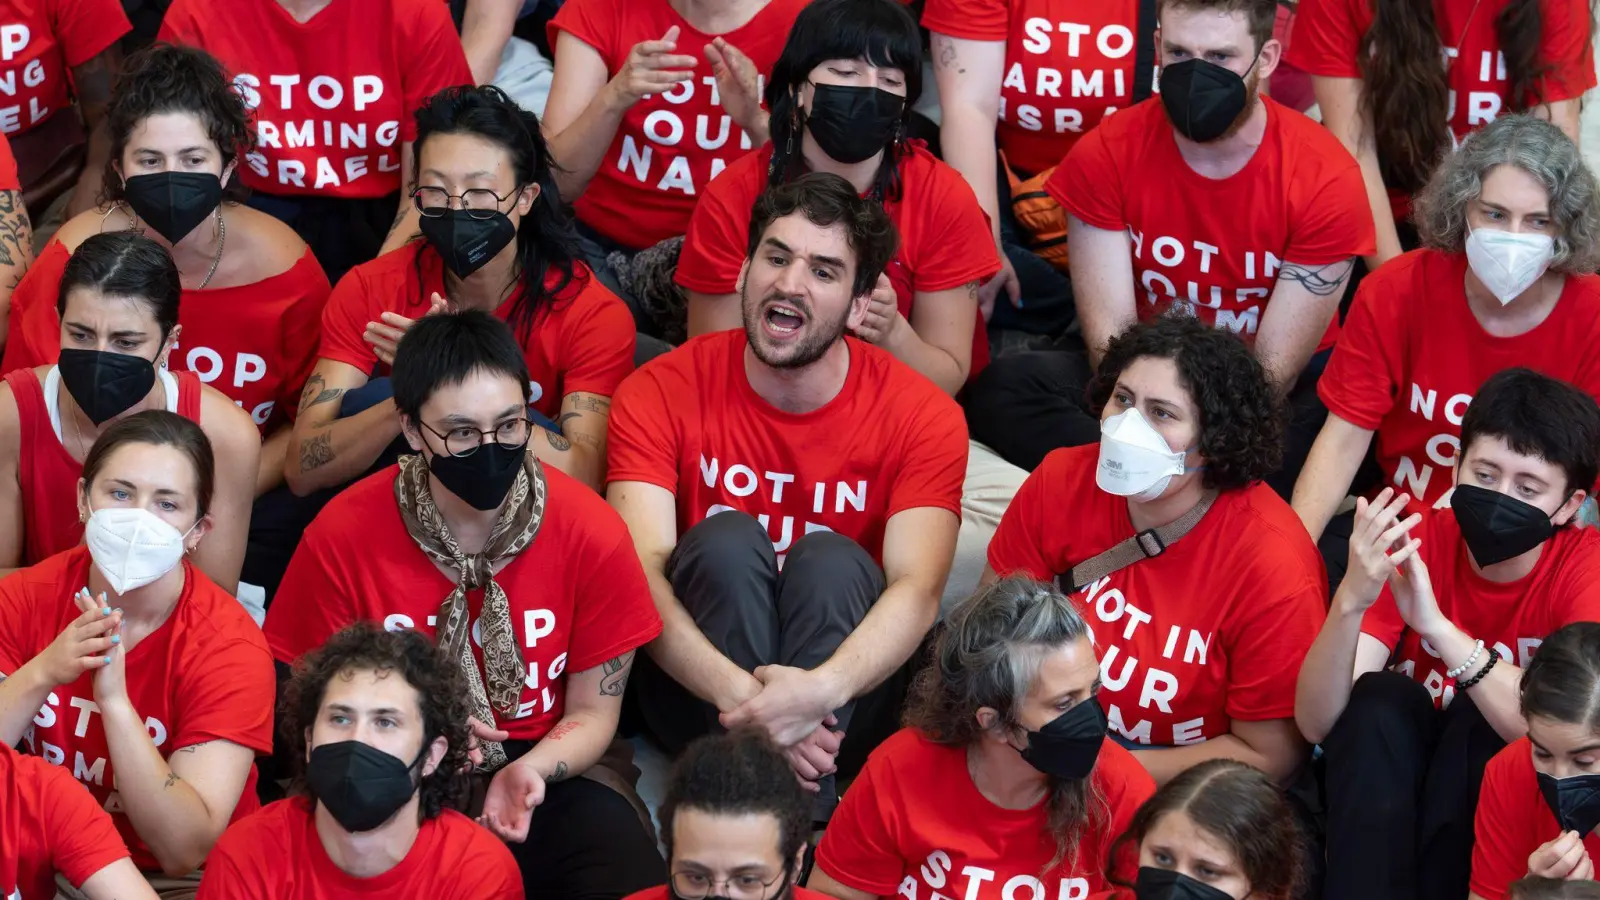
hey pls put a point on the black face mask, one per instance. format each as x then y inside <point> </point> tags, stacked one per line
<point>481,478</point>
<point>464,243</point>
<point>173,203</point>
<point>1574,800</point>
<point>1165,884</point>
<point>1067,747</point>
<point>1497,527</point>
<point>852,123</point>
<point>105,384</point>
<point>1202,99</point>
<point>361,786</point>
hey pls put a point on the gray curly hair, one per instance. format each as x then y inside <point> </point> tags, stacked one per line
<point>989,655</point>
<point>1544,152</point>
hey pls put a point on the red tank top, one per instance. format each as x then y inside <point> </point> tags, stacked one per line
<point>47,475</point>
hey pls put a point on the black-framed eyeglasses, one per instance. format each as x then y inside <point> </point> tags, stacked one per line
<point>464,440</point>
<point>699,885</point>
<point>479,203</point>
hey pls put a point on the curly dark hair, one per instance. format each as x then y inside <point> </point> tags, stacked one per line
<point>165,78</point>
<point>441,694</point>
<point>827,200</point>
<point>735,774</point>
<point>1241,419</point>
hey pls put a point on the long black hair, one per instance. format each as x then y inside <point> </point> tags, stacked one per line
<point>546,238</point>
<point>878,31</point>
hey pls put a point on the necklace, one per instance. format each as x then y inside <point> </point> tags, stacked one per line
<point>222,240</point>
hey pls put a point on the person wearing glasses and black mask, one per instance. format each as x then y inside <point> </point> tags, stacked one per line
<point>495,238</point>
<point>523,575</point>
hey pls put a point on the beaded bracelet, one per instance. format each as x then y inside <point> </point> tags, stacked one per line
<point>1494,657</point>
<point>1459,670</point>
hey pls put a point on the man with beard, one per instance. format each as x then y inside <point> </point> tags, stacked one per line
<point>1209,199</point>
<point>793,494</point>
<point>734,823</point>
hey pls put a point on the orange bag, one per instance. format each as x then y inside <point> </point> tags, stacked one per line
<point>1039,216</point>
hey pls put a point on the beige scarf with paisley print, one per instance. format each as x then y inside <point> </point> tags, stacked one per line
<point>513,533</point>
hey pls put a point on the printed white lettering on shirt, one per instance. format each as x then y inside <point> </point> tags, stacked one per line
<point>14,39</point>
<point>1158,686</point>
<point>536,624</point>
<point>1236,307</point>
<point>665,128</point>
<point>837,497</point>
<point>321,94</point>
<point>1440,450</point>
<point>941,882</point>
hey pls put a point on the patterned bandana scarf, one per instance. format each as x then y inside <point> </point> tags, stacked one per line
<point>513,533</point>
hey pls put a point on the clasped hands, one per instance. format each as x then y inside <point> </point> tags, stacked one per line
<point>795,707</point>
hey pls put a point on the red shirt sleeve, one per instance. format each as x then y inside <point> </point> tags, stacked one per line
<point>955,236</point>
<point>229,697</point>
<point>177,24</point>
<point>1333,221</point>
<point>313,601</point>
<point>599,346</point>
<point>33,304</point>
<point>1382,620</point>
<point>616,614</point>
<point>1503,843</point>
<point>344,320</point>
<point>80,834</point>
<point>1017,545</point>
<point>642,441</point>
<point>933,460</point>
<point>714,248</point>
<point>300,329</point>
<point>595,22</point>
<point>1327,37</point>
<point>9,180</point>
<point>1565,47</point>
<point>1366,370</point>
<point>434,60</point>
<point>1088,183</point>
<point>973,20</point>
<point>1272,637</point>
<point>16,613</point>
<point>228,874</point>
<point>859,850</point>
<point>85,28</point>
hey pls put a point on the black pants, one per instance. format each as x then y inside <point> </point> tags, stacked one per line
<point>1401,787</point>
<point>726,575</point>
<point>585,842</point>
<point>342,232</point>
<point>1026,405</point>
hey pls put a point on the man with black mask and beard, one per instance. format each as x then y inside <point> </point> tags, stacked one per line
<point>118,311</point>
<point>378,722</point>
<point>794,494</point>
<point>528,581</point>
<point>735,823</point>
<point>1211,199</point>
<point>1412,685</point>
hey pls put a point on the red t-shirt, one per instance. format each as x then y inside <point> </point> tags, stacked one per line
<point>1069,64</point>
<point>914,821</point>
<point>40,42</point>
<point>664,892</point>
<point>1213,245</point>
<point>942,230</point>
<point>669,145</point>
<point>47,825</point>
<point>1412,355</point>
<point>256,343</point>
<point>9,179</point>
<point>1513,618</point>
<point>47,475</point>
<point>581,340</point>
<point>1212,630</point>
<point>690,422</point>
<point>578,595</point>
<point>204,675</point>
<point>277,855</point>
<point>1513,820</point>
<point>334,97</point>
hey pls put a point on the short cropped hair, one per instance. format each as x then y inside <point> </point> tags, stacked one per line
<point>1536,888</point>
<point>1262,15</point>
<point>444,349</point>
<point>1537,415</point>
<point>441,694</point>
<point>739,773</point>
<point>826,200</point>
<point>1241,420</point>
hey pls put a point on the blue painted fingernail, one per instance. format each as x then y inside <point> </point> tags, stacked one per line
<point>108,660</point>
<point>116,639</point>
<point>105,610</point>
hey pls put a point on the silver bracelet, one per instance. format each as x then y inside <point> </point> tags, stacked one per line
<point>1458,670</point>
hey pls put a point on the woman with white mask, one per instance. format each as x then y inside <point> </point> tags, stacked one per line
<point>1203,590</point>
<point>130,667</point>
<point>1510,228</point>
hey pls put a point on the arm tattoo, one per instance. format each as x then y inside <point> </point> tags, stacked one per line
<point>316,451</point>
<point>193,747</point>
<point>615,672</point>
<point>561,730</point>
<point>317,391</point>
<point>172,779</point>
<point>593,404</point>
<point>560,774</point>
<point>16,234</point>
<point>971,288</point>
<point>558,441</point>
<point>1319,281</point>
<point>947,57</point>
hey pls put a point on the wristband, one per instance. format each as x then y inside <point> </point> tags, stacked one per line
<point>1458,671</point>
<point>1494,657</point>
